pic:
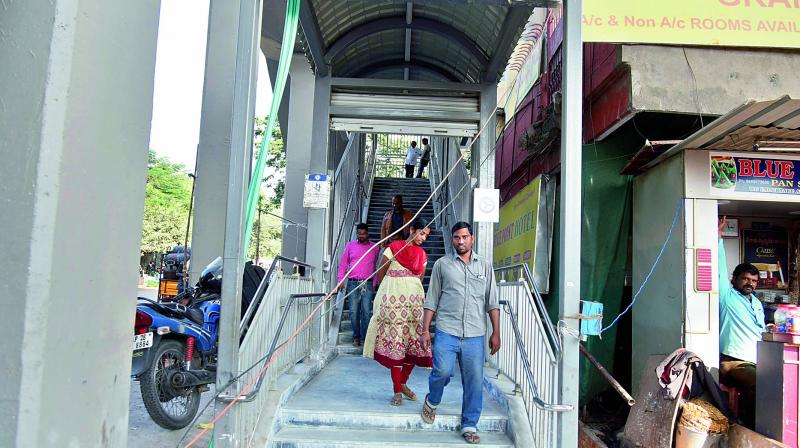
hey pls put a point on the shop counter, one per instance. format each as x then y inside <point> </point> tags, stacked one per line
<point>777,398</point>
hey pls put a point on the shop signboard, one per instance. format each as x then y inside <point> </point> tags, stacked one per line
<point>759,175</point>
<point>768,251</point>
<point>731,23</point>
<point>515,234</point>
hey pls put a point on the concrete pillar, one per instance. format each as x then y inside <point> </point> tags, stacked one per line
<point>213,157</point>
<point>75,124</point>
<point>483,165</point>
<point>298,156</point>
<point>317,238</point>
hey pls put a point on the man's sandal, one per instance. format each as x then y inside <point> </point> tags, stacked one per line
<point>471,437</point>
<point>397,400</point>
<point>409,394</point>
<point>428,412</point>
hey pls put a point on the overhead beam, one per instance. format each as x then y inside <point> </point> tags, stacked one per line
<point>380,66</point>
<point>308,22</point>
<point>366,29</point>
<point>415,68</point>
<point>405,85</point>
<point>529,3</point>
<point>509,33</point>
<point>407,50</point>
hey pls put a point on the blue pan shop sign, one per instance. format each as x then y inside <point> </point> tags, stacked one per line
<point>754,175</point>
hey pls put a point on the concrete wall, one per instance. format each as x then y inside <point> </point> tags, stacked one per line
<point>75,106</point>
<point>661,78</point>
<point>658,314</point>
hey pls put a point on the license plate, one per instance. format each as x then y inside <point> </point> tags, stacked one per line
<point>144,340</point>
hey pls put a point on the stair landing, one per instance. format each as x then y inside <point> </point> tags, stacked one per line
<point>347,404</point>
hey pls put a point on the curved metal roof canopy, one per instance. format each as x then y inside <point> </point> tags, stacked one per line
<point>444,40</point>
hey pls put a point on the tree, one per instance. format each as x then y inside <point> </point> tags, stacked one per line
<point>166,204</point>
<point>267,227</point>
<point>274,180</point>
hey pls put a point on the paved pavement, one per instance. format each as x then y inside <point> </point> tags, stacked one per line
<point>142,431</point>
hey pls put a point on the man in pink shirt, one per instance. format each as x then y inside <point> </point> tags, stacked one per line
<point>361,298</point>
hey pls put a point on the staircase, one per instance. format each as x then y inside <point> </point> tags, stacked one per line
<point>415,192</point>
<point>347,405</point>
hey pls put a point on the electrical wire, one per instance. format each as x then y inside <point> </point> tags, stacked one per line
<point>678,208</point>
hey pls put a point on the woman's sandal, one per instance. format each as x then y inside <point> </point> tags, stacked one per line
<point>471,437</point>
<point>428,413</point>
<point>397,400</point>
<point>409,394</point>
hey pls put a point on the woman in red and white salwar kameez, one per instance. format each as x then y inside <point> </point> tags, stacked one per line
<point>393,336</point>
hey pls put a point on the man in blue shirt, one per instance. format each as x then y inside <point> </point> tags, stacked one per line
<point>741,323</point>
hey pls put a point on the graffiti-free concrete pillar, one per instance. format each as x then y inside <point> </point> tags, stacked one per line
<point>76,93</point>
<point>213,157</point>
<point>298,157</point>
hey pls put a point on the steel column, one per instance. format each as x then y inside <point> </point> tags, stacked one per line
<point>298,155</point>
<point>244,90</point>
<point>483,165</point>
<point>570,214</point>
<point>208,231</point>
<point>317,240</point>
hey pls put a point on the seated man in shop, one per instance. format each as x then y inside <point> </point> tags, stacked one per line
<point>741,323</point>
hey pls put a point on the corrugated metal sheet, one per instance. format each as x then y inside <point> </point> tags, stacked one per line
<point>740,128</point>
<point>478,22</point>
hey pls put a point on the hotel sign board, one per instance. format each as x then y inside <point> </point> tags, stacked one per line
<point>733,23</point>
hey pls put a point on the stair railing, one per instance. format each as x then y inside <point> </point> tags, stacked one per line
<point>532,360</point>
<point>444,154</point>
<point>287,301</point>
<point>247,318</point>
<point>347,198</point>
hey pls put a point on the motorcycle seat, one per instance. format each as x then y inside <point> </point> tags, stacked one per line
<point>177,311</point>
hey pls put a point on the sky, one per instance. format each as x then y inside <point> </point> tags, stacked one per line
<point>178,92</point>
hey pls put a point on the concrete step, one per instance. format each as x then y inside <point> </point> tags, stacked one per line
<point>405,416</point>
<point>303,437</point>
<point>352,393</point>
<point>349,350</point>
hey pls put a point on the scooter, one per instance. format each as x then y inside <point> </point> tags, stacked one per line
<point>175,349</point>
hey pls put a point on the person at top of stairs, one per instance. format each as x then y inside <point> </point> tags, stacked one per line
<point>361,298</point>
<point>393,337</point>
<point>394,219</point>
<point>412,157</point>
<point>462,289</point>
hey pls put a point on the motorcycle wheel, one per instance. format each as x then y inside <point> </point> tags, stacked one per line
<point>169,407</point>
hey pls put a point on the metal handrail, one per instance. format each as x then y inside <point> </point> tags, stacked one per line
<point>273,345</point>
<point>552,333</point>
<point>523,353</point>
<point>261,290</point>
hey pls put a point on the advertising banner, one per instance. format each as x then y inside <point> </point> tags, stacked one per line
<point>735,23</point>
<point>515,235</point>
<point>768,251</point>
<point>754,175</point>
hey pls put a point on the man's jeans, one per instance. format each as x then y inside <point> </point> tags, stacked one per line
<point>360,306</point>
<point>469,352</point>
<point>422,164</point>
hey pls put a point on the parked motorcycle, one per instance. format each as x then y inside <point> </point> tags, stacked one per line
<point>175,349</point>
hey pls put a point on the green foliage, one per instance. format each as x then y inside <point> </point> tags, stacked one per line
<point>275,170</point>
<point>166,204</point>
<point>267,232</point>
<point>267,228</point>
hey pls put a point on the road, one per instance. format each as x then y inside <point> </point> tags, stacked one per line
<point>142,431</point>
